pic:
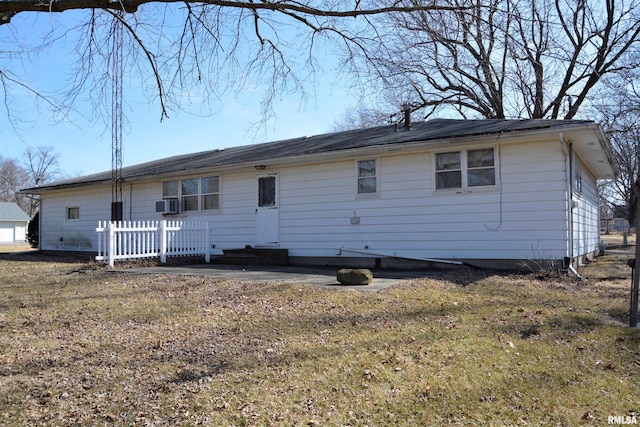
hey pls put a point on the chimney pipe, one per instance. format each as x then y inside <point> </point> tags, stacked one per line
<point>407,116</point>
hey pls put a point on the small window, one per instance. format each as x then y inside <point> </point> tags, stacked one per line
<point>73,213</point>
<point>210,189</point>
<point>367,176</point>
<point>577,175</point>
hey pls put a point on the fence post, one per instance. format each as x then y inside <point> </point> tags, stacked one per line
<point>207,243</point>
<point>163,241</point>
<point>112,243</point>
<point>101,243</point>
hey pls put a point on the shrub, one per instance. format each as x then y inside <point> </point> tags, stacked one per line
<point>33,231</point>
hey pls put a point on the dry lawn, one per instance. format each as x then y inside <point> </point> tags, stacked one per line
<point>15,247</point>
<point>81,345</point>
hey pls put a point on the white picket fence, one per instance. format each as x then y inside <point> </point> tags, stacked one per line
<point>122,240</point>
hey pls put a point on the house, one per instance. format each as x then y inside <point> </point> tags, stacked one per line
<point>13,223</point>
<point>485,192</point>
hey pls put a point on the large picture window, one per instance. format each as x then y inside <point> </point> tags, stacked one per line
<point>194,194</point>
<point>465,169</point>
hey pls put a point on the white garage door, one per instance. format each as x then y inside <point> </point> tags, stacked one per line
<point>6,231</point>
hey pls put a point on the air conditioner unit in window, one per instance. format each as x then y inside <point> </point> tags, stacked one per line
<point>168,206</point>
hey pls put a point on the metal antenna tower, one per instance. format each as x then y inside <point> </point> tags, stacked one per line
<point>117,72</point>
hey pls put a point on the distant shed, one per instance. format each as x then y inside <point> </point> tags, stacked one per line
<point>13,223</point>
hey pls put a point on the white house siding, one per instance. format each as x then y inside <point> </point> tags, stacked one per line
<point>58,233</point>
<point>586,231</point>
<point>526,220</point>
<point>233,226</point>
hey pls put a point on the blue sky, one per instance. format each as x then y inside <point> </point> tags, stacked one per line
<point>84,146</point>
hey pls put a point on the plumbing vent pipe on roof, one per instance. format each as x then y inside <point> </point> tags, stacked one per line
<point>407,116</point>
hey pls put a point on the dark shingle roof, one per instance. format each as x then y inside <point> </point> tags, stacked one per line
<point>10,211</point>
<point>381,136</point>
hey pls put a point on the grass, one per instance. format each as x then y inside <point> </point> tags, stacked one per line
<point>80,345</point>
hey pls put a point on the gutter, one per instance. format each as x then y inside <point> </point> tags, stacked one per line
<point>441,261</point>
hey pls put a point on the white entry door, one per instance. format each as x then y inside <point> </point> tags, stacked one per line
<point>267,214</point>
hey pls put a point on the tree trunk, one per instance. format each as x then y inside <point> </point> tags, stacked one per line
<point>633,204</point>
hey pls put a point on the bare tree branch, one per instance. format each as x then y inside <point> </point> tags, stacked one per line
<point>8,8</point>
<point>211,49</point>
<point>507,58</point>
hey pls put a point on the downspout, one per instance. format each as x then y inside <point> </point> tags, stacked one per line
<point>131,202</point>
<point>40,225</point>
<point>568,158</point>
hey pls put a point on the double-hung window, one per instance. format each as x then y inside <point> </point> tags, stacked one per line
<point>464,169</point>
<point>194,194</point>
<point>367,177</point>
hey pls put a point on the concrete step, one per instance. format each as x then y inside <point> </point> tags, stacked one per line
<point>252,256</point>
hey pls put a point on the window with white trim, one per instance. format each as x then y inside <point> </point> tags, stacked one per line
<point>577,175</point>
<point>194,194</point>
<point>467,168</point>
<point>73,212</point>
<point>189,194</point>
<point>367,176</point>
<point>210,193</point>
<point>170,190</point>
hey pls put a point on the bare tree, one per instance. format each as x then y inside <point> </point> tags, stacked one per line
<point>360,118</point>
<point>13,177</point>
<point>618,105</point>
<point>214,46</point>
<point>505,58</point>
<point>40,166</point>
<point>622,191</point>
<point>43,164</point>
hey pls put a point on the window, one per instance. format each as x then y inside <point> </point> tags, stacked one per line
<point>465,168</point>
<point>367,177</point>
<point>448,170</point>
<point>189,193</point>
<point>266,191</point>
<point>577,175</point>
<point>170,189</point>
<point>73,213</point>
<point>481,168</point>
<point>210,193</point>
<point>194,193</point>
